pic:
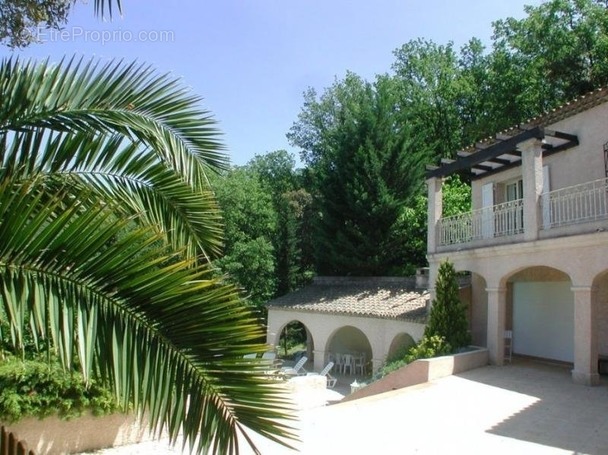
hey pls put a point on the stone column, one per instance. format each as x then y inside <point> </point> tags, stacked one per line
<point>497,304</point>
<point>435,208</point>
<point>319,361</point>
<point>585,336</point>
<point>532,175</point>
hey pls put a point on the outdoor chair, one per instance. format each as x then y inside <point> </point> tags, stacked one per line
<point>297,369</point>
<point>338,360</point>
<point>331,381</point>
<point>359,364</point>
<point>348,363</point>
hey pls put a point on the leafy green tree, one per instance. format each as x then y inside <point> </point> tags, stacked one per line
<point>557,52</point>
<point>362,173</point>
<point>279,177</point>
<point>430,89</point>
<point>448,318</point>
<point>250,225</point>
<point>21,19</point>
<point>106,224</point>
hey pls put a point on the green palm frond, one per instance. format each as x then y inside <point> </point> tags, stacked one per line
<point>169,337</point>
<point>104,207</point>
<point>101,6</point>
<point>120,172</point>
<point>128,99</point>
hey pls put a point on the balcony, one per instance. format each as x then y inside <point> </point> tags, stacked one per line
<point>573,210</point>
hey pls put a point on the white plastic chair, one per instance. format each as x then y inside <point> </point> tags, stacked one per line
<point>297,369</point>
<point>359,364</point>
<point>331,381</point>
<point>348,363</point>
<point>339,362</point>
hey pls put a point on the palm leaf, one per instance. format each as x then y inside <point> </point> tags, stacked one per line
<point>120,171</point>
<point>169,338</point>
<point>128,99</point>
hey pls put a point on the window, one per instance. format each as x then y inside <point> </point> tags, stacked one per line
<point>514,190</point>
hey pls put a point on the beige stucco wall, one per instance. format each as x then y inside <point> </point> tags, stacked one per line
<point>379,332</point>
<point>581,258</point>
<point>579,164</point>
<point>54,436</point>
<point>424,370</point>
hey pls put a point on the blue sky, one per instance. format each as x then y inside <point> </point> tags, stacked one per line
<point>251,60</point>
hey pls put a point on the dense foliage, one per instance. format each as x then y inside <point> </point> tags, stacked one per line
<point>265,210</point>
<point>39,388</point>
<point>362,172</point>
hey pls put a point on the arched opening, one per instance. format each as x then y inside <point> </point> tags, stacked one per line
<point>350,341</point>
<point>399,346</point>
<point>540,313</point>
<point>295,341</point>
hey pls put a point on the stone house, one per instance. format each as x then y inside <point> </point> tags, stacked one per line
<point>536,240</point>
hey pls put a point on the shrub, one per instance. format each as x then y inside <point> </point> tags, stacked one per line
<point>428,347</point>
<point>448,318</point>
<point>37,388</point>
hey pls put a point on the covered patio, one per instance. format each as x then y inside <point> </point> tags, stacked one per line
<point>353,319</point>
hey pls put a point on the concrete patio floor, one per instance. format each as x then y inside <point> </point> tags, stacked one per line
<point>522,408</point>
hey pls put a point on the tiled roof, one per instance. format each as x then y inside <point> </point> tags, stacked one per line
<point>387,298</point>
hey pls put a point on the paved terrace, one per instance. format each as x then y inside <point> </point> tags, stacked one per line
<point>522,408</point>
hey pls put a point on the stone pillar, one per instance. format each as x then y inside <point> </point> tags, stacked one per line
<point>434,209</point>
<point>319,361</point>
<point>497,304</point>
<point>433,272</point>
<point>585,336</point>
<point>532,175</point>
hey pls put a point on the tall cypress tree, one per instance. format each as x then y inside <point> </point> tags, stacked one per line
<point>448,317</point>
<point>363,173</point>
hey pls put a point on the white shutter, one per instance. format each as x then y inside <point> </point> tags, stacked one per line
<point>487,216</point>
<point>545,200</point>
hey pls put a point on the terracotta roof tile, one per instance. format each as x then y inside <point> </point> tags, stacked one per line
<point>387,298</point>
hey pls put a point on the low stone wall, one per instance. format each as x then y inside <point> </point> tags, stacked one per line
<point>424,370</point>
<point>53,435</point>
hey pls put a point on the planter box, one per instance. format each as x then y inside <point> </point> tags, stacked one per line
<point>424,370</point>
<point>52,435</point>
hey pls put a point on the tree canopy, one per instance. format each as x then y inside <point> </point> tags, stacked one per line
<point>362,173</point>
<point>20,20</point>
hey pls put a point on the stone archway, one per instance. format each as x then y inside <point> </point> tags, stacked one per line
<point>400,343</point>
<point>308,339</point>
<point>349,339</point>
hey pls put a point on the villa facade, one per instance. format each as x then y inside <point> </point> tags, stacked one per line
<point>536,240</point>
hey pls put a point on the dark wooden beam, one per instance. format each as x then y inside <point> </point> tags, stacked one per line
<point>500,148</point>
<point>483,167</point>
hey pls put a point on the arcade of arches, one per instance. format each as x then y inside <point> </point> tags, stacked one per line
<point>371,316</point>
<point>552,296</point>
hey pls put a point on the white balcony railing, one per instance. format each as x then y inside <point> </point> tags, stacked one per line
<point>490,222</point>
<point>576,204</point>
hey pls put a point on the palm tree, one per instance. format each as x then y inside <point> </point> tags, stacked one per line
<point>107,224</point>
